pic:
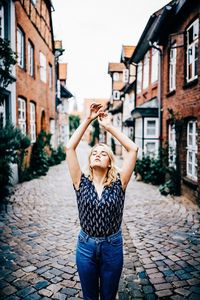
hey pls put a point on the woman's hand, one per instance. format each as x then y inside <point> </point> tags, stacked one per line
<point>95,110</point>
<point>104,119</point>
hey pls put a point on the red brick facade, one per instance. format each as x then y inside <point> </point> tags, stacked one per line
<point>35,22</point>
<point>185,99</point>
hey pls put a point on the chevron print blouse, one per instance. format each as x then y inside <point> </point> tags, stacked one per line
<point>100,216</point>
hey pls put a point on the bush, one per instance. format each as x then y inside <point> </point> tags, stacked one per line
<point>172,185</point>
<point>57,156</point>
<point>39,162</point>
<point>13,145</point>
<point>151,170</point>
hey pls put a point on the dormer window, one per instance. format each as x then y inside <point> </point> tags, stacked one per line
<point>115,76</point>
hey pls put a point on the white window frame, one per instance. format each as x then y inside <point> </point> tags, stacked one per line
<point>192,57</point>
<point>192,150</point>
<point>21,48</point>
<point>3,112</point>
<point>43,67</point>
<point>172,68</point>
<point>154,65</point>
<point>172,146</point>
<point>139,77</point>
<point>22,114</point>
<point>50,76</point>
<point>146,71</point>
<point>2,30</point>
<point>116,95</point>
<point>153,153</point>
<point>146,127</point>
<point>32,122</point>
<point>125,75</point>
<point>30,58</point>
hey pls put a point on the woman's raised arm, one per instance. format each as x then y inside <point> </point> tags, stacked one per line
<point>72,160</point>
<point>131,148</point>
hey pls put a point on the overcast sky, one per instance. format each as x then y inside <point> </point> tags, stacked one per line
<point>93,32</point>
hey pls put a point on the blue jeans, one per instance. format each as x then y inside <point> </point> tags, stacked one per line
<point>99,263</point>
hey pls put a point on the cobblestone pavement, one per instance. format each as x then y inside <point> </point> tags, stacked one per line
<point>38,239</point>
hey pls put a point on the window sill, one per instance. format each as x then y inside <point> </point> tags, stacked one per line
<point>190,84</point>
<point>190,183</point>
<point>171,93</point>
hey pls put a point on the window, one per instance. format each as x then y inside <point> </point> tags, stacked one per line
<point>192,50</point>
<point>43,67</point>
<point>172,146</point>
<point>172,68</point>
<point>32,122</point>
<point>154,68</point>
<point>192,150</point>
<point>139,77</point>
<point>22,114</point>
<point>146,71</point>
<point>150,127</point>
<point>1,21</point>
<point>50,76</point>
<point>125,75</point>
<point>115,76</point>
<point>2,114</point>
<point>150,149</point>
<point>30,58</point>
<point>116,95</point>
<point>21,48</point>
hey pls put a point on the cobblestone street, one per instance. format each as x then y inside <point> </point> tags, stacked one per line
<point>38,240</point>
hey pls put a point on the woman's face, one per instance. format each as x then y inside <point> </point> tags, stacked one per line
<point>99,158</point>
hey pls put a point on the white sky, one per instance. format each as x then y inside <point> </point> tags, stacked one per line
<point>93,32</point>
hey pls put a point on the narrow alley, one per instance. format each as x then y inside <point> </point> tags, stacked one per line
<point>39,231</point>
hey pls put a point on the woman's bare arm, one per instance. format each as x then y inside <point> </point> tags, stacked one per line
<point>131,148</point>
<point>72,160</point>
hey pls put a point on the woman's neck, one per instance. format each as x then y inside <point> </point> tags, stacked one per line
<point>99,175</point>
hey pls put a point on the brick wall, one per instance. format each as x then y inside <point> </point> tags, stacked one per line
<point>32,88</point>
<point>185,100</point>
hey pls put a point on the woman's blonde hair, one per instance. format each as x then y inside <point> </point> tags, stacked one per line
<point>113,171</point>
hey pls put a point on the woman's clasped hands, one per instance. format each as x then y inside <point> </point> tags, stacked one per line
<point>97,111</point>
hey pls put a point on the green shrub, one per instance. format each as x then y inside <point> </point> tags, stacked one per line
<point>57,156</point>
<point>13,145</point>
<point>151,170</point>
<point>172,185</point>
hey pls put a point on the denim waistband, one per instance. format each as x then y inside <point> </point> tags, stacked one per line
<point>104,238</point>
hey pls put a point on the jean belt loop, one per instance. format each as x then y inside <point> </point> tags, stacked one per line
<point>87,237</point>
<point>108,239</point>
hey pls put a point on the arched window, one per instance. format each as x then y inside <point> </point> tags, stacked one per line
<point>22,114</point>
<point>32,122</point>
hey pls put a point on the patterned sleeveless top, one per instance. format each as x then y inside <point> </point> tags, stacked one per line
<point>100,216</point>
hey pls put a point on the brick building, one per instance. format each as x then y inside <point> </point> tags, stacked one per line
<point>167,108</point>
<point>35,86</point>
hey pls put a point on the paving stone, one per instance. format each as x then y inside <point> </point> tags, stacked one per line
<point>25,292</point>
<point>183,292</point>
<point>45,292</point>
<point>164,293</point>
<point>9,290</point>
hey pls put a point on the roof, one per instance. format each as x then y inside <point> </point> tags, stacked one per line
<point>147,109</point>
<point>127,51</point>
<point>64,92</point>
<point>116,67</point>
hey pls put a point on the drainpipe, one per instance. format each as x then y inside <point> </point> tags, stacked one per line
<point>154,45</point>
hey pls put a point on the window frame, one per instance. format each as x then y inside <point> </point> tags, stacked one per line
<point>22,111</point>
<point>139,76</point>
<point>32,121</point>
<point>172,146</point>
<point>190,48</point>
<point>31,68</point>
<point>50,73</point>
<point>191,149</point>
<point>43,67</point>
<point>172,68</point>
<point>2,25</point>
<point>146,68</point>
<point>21,47</point>
<point>146,120</point>
<point>154,66</point>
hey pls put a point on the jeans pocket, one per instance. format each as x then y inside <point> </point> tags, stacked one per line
<point>117,241</point>
<point>81,239</point>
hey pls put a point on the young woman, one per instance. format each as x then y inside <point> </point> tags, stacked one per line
<point>100,197</point>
